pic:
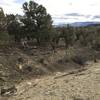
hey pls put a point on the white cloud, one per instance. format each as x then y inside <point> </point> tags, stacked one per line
<point>58,9</point>
<point>69,6</point>
<point>10,6</point>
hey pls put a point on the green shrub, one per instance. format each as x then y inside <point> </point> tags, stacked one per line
<point>4,36</point>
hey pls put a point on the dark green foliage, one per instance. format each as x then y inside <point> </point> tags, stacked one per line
<point>2,21</point>
<point>10,18</point>
<point>85,36</point>
<point>37,22</point>
<point>13,28</point>
<point>4,36</point>
<point>68,34</point>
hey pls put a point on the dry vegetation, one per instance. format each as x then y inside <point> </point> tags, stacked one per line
<point>39,61</point>
<point>40,74</point>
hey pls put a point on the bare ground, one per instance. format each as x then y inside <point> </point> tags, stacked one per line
<point>83,85</point>
<point>67,81</point>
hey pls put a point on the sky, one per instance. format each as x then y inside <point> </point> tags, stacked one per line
<point>62,11</point>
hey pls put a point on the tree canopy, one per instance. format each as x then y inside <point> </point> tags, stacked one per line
<point>2,20</point>
<point>37,22</point>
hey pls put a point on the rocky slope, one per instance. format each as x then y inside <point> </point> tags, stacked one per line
<point>82,85</point>
<point>38,74</point>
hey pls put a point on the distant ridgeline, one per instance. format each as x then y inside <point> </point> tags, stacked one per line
<point>79,24</point>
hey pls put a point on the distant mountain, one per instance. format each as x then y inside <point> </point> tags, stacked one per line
<point>83,24</point>
<point>80,24</point>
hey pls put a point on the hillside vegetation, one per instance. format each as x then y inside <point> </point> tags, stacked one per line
<point>41,62</point>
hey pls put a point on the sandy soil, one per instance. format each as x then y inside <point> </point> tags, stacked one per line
<point>71,83</point>
<point>84,85</point>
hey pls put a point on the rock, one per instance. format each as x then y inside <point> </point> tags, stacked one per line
<point>20,67</point>
<point>29,83</point>
<point>8,91</point>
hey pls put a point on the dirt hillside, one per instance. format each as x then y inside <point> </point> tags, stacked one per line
<point>83,85</point>
<point>39,75</point>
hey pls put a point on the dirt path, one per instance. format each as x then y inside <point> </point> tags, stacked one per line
<point>83,85</point>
